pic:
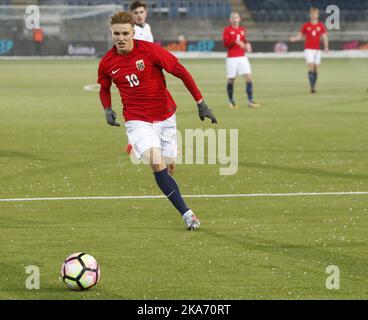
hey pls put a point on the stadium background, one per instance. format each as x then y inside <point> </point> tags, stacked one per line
<point>79,27</point>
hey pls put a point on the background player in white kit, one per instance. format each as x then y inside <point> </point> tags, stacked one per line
<point>142,29</point>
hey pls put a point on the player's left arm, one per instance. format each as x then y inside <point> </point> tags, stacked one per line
<point>170,63</point>
<point>248,46</point>
<point>325,42</point>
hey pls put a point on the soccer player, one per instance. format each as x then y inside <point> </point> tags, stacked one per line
<point>141,28</point>
<point>313,32</point>
<point>234,38</point>
<point>136,67</point>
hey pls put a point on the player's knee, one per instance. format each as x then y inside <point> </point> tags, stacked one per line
<point>158,167</point>
<point>171,168</point>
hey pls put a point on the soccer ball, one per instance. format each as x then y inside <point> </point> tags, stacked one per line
<point>80,271</point>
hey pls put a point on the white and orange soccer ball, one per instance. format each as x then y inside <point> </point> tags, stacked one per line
<point>80,271</point>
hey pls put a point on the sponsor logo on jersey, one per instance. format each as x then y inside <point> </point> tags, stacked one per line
<point>140,65</point>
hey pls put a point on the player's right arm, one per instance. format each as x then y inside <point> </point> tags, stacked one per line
<point>299,36</point>
<point>230,40</point>
<point>226,37</point>
<point>105,96</point>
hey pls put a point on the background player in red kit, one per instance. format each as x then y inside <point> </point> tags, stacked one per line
<point>136,68</point>
<point>313,32</point>
<point>234,38</point>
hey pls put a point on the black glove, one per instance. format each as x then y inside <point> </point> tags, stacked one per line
<point>205,112</point>
<point>111,117</point>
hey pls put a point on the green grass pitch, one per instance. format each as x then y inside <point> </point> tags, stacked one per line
<point>54,142</point>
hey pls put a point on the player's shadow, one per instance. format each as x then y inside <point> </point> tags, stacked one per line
<point>20,155</point>
<point>250,243</point>
<point>305,171</point>
<point>291,250</point>
<point>302,151</point>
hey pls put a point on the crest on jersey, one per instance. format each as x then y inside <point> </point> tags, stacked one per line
<point>318,29</point>
<point>140,65</point>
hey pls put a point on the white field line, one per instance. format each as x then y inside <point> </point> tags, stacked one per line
<point>241,195</point>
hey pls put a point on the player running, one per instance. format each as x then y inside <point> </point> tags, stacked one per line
<point>234,38</point>
<point>136,67</point>
<point>313,32</point>
<point>141,28</point>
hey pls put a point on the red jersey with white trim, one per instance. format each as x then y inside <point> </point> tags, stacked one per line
<point>230,36</point>
<point>313,34</point>
<point>141,83</point>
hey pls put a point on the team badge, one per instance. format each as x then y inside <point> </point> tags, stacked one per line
<point>140,65</point>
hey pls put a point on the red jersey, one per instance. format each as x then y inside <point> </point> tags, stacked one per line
<point>141,83</point>
<point>313,34</point>
<point>230,36</point>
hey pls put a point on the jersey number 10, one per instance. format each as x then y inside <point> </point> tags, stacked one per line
<point>133,80</point>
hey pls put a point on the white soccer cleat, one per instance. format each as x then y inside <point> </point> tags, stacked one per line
<point>191,221</point>
<point>252,104</point>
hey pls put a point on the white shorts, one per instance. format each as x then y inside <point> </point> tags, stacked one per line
<point>144,135</point>
<point>312,56</point>
<point>237,66</point>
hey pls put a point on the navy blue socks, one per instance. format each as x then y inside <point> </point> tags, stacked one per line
<point>230,92</point>
<point>312,76</point>
<point>169,187</point>
<point>315,79</point>
<point>249,90</point>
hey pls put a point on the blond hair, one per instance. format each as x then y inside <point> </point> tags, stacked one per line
<point>122,17</point>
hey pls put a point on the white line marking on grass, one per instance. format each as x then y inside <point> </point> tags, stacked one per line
<point>241,195</point>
